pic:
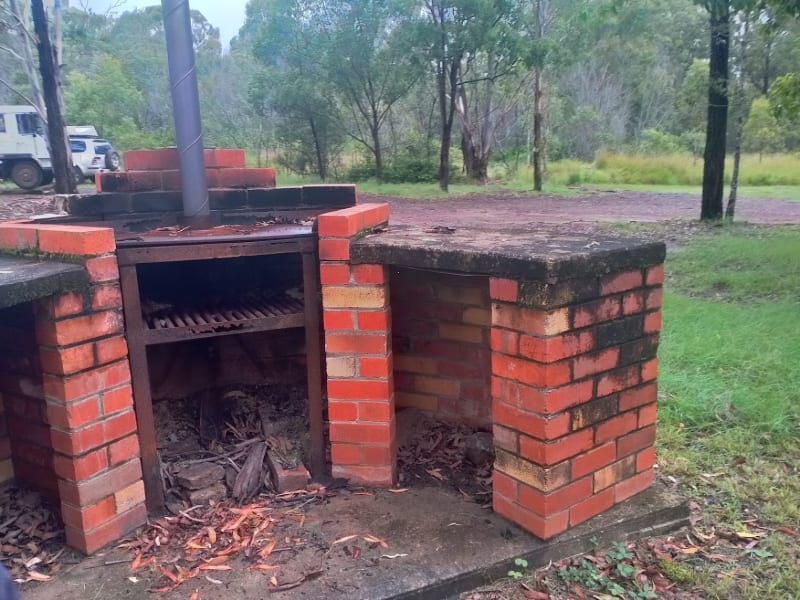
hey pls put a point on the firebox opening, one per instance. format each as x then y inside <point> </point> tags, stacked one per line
<point>217,396</point>
<point>441,326</point>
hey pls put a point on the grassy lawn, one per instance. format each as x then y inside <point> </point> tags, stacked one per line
<point>777,192</point>
<point>728,435</point>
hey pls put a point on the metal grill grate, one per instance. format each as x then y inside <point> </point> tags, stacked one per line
<point>221,314</point>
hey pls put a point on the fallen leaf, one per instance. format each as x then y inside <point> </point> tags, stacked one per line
<point>35,576</point>
<point>344,539</point>
<point>267,549</point>
<point>195,595</point>
<point>274,580</point>
<point>133,579</point>
<point>218,560</point>
<point>215,568</point>
<point>398,490</point>
<point>371,539</point>
<point>392,556</point>
<point>212,580</point>
<point>212,535</point>
<point>786,530</point>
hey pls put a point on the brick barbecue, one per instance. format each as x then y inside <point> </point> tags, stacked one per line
<point>547,340</point>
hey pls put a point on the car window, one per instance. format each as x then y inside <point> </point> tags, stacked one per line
<point>2,123</point>
<point>77,146</point>
<point>29,123</point>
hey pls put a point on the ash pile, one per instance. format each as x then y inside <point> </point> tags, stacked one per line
<point>232,443</point>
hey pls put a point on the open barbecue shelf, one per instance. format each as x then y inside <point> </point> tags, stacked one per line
<point>257,313</point>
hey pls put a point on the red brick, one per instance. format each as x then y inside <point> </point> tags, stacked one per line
<point>618,380</point>
<point>337,319</point>
<point>530,320</point>
<point>530,372</point>
<point>78,441</point>
<point>117,399</point>
<point>105,297</point>
<point>374,214</point>
<point>369,274</point>
<point>533,425</point>
<point>616,426</point>
<point>638,396</point>
<point>355,389</point>
<point>505,341</point>
<point>645,459</point>
<point>608,476</point>
<point>235,178</point>
<point>73,240</point>
<point>103,269</point>
<point>79,329</point>
<point>377,476</point>
<point>638,440</point>
<point>67,305</point>
<point>334,274</point>
<point>90,491</point>
<point>345,454</point>
<point>625,489</point>
<point>555,348</point>
<point>597,311</point>
<point>655,298</point>
<point>123,450</point>
<point>591,507</point>
<point>357,343</point>
<point>597,362</point>
<point>374,366</point>
<point>650,370</point>
<point>504,485</point>
<point>505,438</point>
<point>551,453</point>
<point>655,275</point>
<point>555,400</point>
<point>67,389</point>
<point>66,361</point>
<point>632,302</point>
<point>91,541</point>
<point>373,320</point>
<point>555,502</point>
<point>652,322</point>
<point>111,349</point>
<point>361,433</point>
<point>74,414</point>
<point>594,459</point>
<point>18,236</point>
<point>342,411</point>
<point>88,517</point>
<point>376,455</point>
<point>130,496</point>
<point>647,415</point>
<point>620,282</point>
<point>339,224</point>
<point>461,371</point>
<point>80,468</point>
<point>541,527</point>
<point>505,290</point>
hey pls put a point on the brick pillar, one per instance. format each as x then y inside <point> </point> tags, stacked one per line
<point>573,395</point>
<point>87,391</point>
<point>357,321</point>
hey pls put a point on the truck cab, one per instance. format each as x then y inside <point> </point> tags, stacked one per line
<point>24,157</point>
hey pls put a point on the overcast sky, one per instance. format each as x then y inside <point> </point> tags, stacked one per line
<point>228,15</point>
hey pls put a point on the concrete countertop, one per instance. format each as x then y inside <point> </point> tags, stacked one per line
<point>25,279</point>
<point>550,254</point>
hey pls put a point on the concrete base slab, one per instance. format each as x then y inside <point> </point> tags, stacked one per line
<point>438,546</point>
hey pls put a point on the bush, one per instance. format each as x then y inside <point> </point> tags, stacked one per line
<point>400,170</point>
<point>655,141</point>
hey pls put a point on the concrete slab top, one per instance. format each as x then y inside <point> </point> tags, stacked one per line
<point>551,253</point>
<point>26,279</point>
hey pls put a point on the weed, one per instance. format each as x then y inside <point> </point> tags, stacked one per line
<point>515,574</point>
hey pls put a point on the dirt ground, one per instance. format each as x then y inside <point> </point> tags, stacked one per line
<point>511,210</point>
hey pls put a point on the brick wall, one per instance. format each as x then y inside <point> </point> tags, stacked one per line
<point>85,390</point>
<point>573,393</point>
<point>356,318</point>
<point>440,343</point>
<point>25,447</point>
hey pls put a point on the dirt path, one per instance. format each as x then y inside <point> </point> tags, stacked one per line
<point>511,210</point>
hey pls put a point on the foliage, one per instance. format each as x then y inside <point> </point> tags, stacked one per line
<point>784,97</point>
<point>762,132</point>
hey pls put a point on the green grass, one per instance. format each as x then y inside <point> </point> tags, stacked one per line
<point>774,192</point>
<point>730,395</point>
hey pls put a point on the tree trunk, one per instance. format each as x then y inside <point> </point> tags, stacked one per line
<point>62,167</point>
<point>321,163</point>
<point>730,209</point>
<point>538,142</point>
<point>377,152</point>
<point>716,128</point>
<point>447,80</point>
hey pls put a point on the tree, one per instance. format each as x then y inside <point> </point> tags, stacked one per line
<point>762,132</point>
<point>59,153</point>
<point>719,12</point>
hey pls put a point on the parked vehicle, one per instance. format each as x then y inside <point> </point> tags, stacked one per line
<point>25,160</point>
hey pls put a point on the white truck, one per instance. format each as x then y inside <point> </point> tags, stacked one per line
<point>25,160</point>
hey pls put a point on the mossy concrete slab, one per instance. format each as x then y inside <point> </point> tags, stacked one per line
<point>26,279</point>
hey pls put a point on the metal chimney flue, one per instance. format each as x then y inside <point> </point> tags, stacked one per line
<point>186,110</point>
